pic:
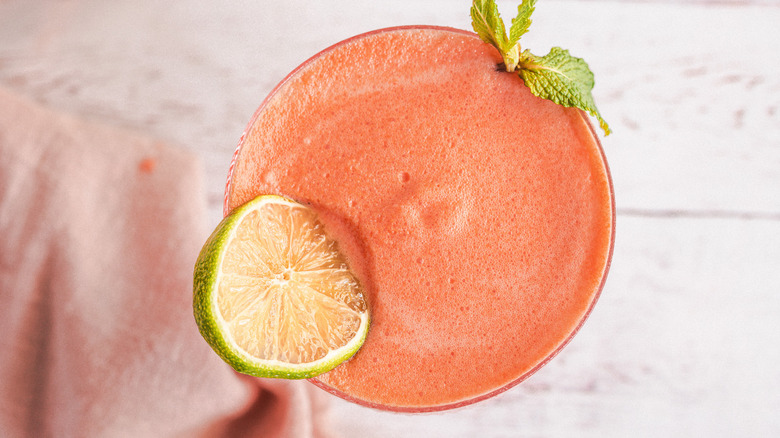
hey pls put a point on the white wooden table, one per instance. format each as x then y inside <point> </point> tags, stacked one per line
<point>685,340</point>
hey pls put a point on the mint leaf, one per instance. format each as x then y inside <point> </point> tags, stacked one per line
<point>557,76</point>
<point>522,22</point>
<point>487,23</point>
<point>563,79</point>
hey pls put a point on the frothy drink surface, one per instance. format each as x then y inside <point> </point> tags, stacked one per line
<point>478,217</point>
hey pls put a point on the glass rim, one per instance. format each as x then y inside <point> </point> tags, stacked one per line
<point>496,391</point>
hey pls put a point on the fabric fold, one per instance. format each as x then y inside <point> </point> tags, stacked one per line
<point>100,229</point>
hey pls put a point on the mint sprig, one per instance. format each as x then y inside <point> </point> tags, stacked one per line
<point>557,76</point>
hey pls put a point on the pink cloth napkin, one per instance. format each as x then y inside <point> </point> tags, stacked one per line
<point>99,232</point>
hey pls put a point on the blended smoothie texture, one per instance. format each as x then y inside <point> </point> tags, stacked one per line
<point>478,217</point>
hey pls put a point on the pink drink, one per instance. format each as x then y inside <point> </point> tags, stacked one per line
<point>479,218</point>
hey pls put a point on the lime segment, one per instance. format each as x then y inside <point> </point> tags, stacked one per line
<point>274,296</point>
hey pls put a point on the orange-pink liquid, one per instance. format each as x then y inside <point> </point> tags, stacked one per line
<point>479,218</point>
